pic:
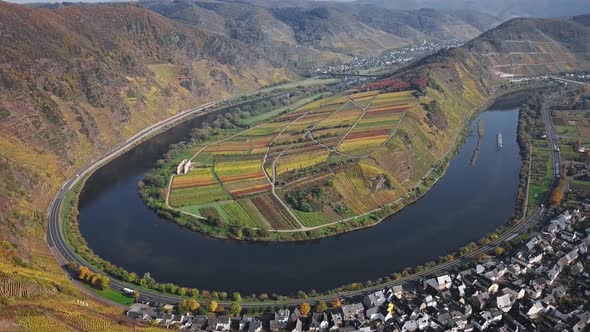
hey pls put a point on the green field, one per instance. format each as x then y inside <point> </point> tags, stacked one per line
<point>573,127</point>
<point>112,295</point>
<point>541,172</point>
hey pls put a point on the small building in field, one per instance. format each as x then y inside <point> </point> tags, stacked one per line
<point>184,167</point>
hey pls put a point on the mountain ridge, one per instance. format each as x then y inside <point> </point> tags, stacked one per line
<point>337,28</point>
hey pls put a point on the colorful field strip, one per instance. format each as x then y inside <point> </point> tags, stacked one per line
<point>231,178</point>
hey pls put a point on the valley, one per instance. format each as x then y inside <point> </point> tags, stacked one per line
<point>112,208</point>
<point>150,148</point>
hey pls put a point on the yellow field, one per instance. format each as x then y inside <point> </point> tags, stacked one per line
<point>291,163</point>
<point>362,143</point>
<point>237,167</point>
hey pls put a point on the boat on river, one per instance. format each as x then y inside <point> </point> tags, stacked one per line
<point>500,139</point>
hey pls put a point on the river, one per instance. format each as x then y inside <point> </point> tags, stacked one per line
<point>467,203</point>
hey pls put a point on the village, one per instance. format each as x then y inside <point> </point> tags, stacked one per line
<point>542,285</point>
<point>400,56</point>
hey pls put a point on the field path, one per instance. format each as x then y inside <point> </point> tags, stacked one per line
<point>335,149</point>
<point>356,122</point>
<point>275,160</point>
<point>272,182</point>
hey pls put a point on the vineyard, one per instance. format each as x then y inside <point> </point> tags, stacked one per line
<point>318,164</point>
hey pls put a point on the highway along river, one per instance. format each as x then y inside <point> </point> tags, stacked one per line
<point>467,203</point>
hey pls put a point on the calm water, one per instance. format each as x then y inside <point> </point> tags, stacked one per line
<point>465,204</point>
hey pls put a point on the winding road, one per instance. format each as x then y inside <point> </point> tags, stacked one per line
<point>64,253</point>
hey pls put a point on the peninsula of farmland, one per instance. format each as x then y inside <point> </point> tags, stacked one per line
<point>337,163</point>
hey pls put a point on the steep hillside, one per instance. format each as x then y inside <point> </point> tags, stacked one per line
<point>79,80</point>
<point>504,9</point>
<point>74,83</point>
<point>322,30</point>
<point>535,46</point>
<point>249,24</point>
<point>427,24</point>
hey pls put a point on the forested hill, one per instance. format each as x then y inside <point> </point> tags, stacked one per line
<point>79,80</point>
<point>322,31</point>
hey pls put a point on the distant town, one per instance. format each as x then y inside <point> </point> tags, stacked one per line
<point>398,57</point>
<point>542,284</point>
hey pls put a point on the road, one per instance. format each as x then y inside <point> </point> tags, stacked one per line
<point>64,253</point>
<point>553,140</point>
<point>565,80</point>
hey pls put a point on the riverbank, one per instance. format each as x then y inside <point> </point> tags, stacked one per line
<point>196,247</point>
<point>480,133</point>
<point>208,217</point>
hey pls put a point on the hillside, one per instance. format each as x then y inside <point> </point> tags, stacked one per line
<point>322,30</point>
<point>74,83</point>
<point>535,46</point>
<point>505,9</point>
<point>80,80</point>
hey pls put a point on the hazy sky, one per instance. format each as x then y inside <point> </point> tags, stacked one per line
<point>53,1</point>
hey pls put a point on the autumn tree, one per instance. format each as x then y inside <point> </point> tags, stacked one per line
<point>301,294</point>
<point>136,294</point>
<point>321,306</point>
<point>73,267</point>
<point>557,195</point>
<point>336,303</point>
<point>481,257</point>
<point>132,277</point>
<point>192,292</point>
<point>193,305</point>
<point>85,273</point>
<point>95,280</point>
<point>499,251</point>
<point>237,297</point>
<point>212,306</point>
<point>189,305</point>
<point>104,282</point>
<point>304,308</point>
<point>235,308</point>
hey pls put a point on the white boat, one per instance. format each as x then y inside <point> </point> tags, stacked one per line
<point>500,139</point>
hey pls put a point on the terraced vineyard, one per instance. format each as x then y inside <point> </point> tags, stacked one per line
<point>329,161</point>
